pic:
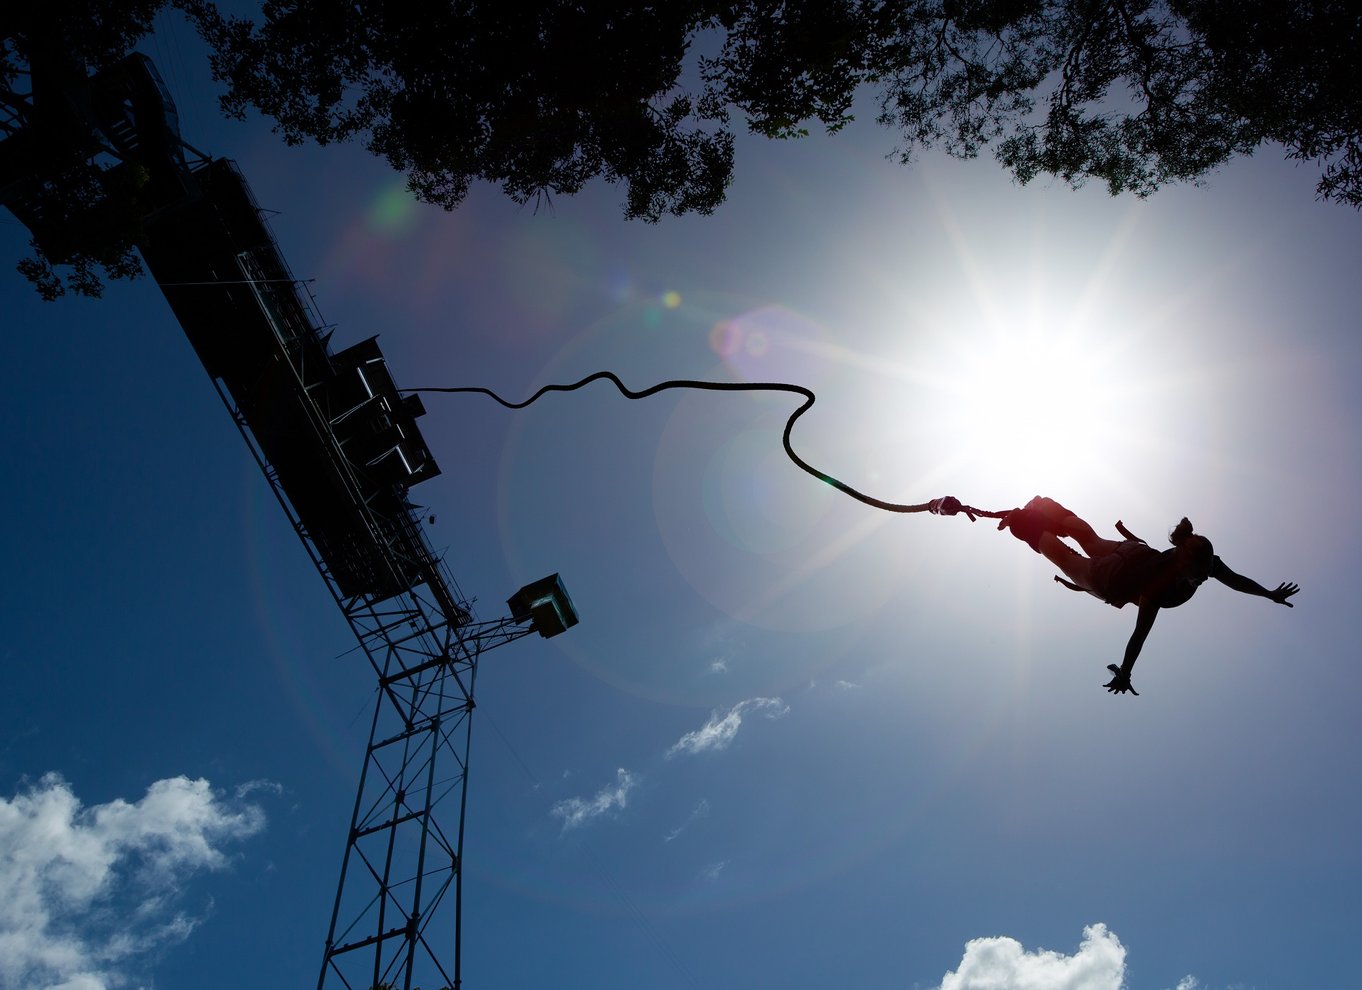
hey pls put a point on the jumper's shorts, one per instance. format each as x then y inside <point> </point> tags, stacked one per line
<point>1118,577</point>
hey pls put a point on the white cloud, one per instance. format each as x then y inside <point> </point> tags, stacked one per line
<point>251,786</point>
<point>86,890</point>
<point>712,871</point>
<point>701,810</point>
<point>719,731</point>
<point>578,811</point>
<point>1000,963</point>
<point>719,666</point>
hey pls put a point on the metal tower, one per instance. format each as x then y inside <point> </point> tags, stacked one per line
<point>338,443</point>
<point>404,846</point>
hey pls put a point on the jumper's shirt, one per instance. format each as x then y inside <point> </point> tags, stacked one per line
<point>1134,569</point>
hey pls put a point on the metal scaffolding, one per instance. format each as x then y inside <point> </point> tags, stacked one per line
<point>404,846</point>
<point>337,442</point>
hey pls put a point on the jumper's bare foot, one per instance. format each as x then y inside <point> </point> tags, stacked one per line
<point>1026,525</point>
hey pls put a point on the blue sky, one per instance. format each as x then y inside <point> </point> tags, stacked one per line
<point>793,739</point>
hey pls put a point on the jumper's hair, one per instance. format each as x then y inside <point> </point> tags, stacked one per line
<point>1192,546</point>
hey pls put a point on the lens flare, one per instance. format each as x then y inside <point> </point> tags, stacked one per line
<point>393,210</point>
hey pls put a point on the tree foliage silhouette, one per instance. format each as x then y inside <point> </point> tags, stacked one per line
<point>542,98</point>
<point>92,208</point>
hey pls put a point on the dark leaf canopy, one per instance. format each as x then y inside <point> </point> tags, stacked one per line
<point>538,98</point>
<point>49,49</point>
<point>542,98</point>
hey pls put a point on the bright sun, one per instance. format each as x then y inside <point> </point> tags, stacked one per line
<point>1034,407</point>
<point>1037,408</point>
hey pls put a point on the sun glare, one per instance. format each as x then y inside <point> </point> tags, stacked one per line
<point>1033,406</point>
<point>1044,405</point>
<point>1029,368</point>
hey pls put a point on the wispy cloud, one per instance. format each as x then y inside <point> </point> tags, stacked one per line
<point>712,871</point>
<point>1099,964</point>
<point>719,731</point>
<point>87,890</point>
<point>721,643</point>
<point>701,810</point>
<point>252,786</point>
<point>579,811</point>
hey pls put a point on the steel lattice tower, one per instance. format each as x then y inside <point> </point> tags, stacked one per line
<point>338,443</point>
<point>404,846</point>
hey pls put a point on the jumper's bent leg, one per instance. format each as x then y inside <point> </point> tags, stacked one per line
<point>1075,566</point>
<point>1060,520</point>
<point>1078,529</point>
<point>1044,515</point>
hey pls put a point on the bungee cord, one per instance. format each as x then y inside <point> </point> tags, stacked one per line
<point>1157,582</point>
<point>947,505</point>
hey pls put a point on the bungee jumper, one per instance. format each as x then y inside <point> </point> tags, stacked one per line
<point>1129,571</point>
<point>1119,572</point>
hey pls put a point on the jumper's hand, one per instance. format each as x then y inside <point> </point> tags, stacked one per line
<point>1120,682</point>
<point>1284,591</point>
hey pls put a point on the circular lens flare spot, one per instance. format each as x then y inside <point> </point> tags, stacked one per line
<point>724,337</point>
<point>393,210</point>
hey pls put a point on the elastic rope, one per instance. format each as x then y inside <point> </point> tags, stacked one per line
<point>946,506</point>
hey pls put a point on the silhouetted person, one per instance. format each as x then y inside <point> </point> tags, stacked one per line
<point>1129,571</point>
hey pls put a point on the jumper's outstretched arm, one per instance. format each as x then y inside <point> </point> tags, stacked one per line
<point>1248,586</point>
<point>1149,611</point>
